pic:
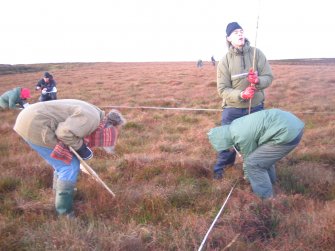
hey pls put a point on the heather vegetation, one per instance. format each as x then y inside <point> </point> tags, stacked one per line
<point>161,173</point>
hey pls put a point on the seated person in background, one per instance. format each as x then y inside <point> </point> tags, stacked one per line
<point>15,98</point>
<point>50,128</point>
<point>47,86</point>
<point>262,138</point>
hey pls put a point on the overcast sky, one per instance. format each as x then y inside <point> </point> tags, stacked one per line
<point>45,31</point>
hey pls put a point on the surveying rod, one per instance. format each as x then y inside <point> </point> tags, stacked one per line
<point>255,47</point>
<point>91,171</point>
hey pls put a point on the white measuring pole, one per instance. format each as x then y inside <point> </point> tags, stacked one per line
<point>254,57</point>
<point>217,216</point>
<point>161,108</point>
<point>91,171</point>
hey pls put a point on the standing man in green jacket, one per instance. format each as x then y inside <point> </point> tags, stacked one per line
<point>240,79</point>
<point>15,98</point>
<point>262,138</point>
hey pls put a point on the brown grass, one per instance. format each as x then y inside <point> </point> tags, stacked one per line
<point>162,171</point>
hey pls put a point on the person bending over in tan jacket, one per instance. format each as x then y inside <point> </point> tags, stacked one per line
<point>51,127</point>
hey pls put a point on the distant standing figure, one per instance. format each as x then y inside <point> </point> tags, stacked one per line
<point>200,63</point>
<point>213,61</point>
<point>50,127</point>
<point>238,83</point>
<point>262,138</point>
<point>47,86</point>
<point>15,98</point>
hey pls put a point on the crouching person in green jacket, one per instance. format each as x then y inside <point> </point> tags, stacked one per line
<point>15,98</point>
<point>51,127</point>
<point>262,138</point>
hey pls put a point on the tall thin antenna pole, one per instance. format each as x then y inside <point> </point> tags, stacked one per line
<point>254,58</point>
<point>255,47</point>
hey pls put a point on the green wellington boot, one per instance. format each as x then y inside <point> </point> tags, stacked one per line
<point>64,198</point>
<point>54,182</point>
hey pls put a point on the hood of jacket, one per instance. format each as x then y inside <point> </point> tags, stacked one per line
<point>220,138</point>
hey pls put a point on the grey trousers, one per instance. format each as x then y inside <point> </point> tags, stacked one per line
<point>260,166</point>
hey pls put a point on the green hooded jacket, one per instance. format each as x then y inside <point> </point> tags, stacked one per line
<point>272,126</point>
<point>232,72</point>
<point>10,98</point>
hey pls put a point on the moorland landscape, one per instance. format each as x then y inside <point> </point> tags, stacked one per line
<point>161,173</point>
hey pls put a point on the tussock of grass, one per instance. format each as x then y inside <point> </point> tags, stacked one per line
<point>8,184</point>
<point>9,232</point>
<point>311,179</point>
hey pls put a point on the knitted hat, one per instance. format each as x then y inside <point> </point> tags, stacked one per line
<point>115,118</point>
<point>231,27</point>
<point>220,138</point>
<point>25,93</point>
<point>47,75</point>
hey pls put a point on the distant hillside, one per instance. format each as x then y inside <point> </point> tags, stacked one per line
<point>24,68</point>
<point>304,61</point>
<point>14,69</point>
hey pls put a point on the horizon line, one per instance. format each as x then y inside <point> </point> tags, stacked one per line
<point>168,61</point>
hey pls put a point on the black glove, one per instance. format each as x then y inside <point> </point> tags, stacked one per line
<point>85,152</point>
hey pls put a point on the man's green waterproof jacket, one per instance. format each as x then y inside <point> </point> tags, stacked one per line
<point>232,72</point>
<point>272,126</point>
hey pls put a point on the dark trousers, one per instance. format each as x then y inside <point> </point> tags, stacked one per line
<point>260,165</point>
<point>227,157</point>
<point>48,96</point>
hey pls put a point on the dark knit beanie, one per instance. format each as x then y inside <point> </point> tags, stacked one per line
<point>47,75</point>
<point>231,27</point>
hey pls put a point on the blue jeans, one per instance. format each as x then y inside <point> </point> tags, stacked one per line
<point>227,157</point>
<point>62,170</point>
<point>260,165</point>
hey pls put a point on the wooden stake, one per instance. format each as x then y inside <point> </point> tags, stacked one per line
<point>91,172</point>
